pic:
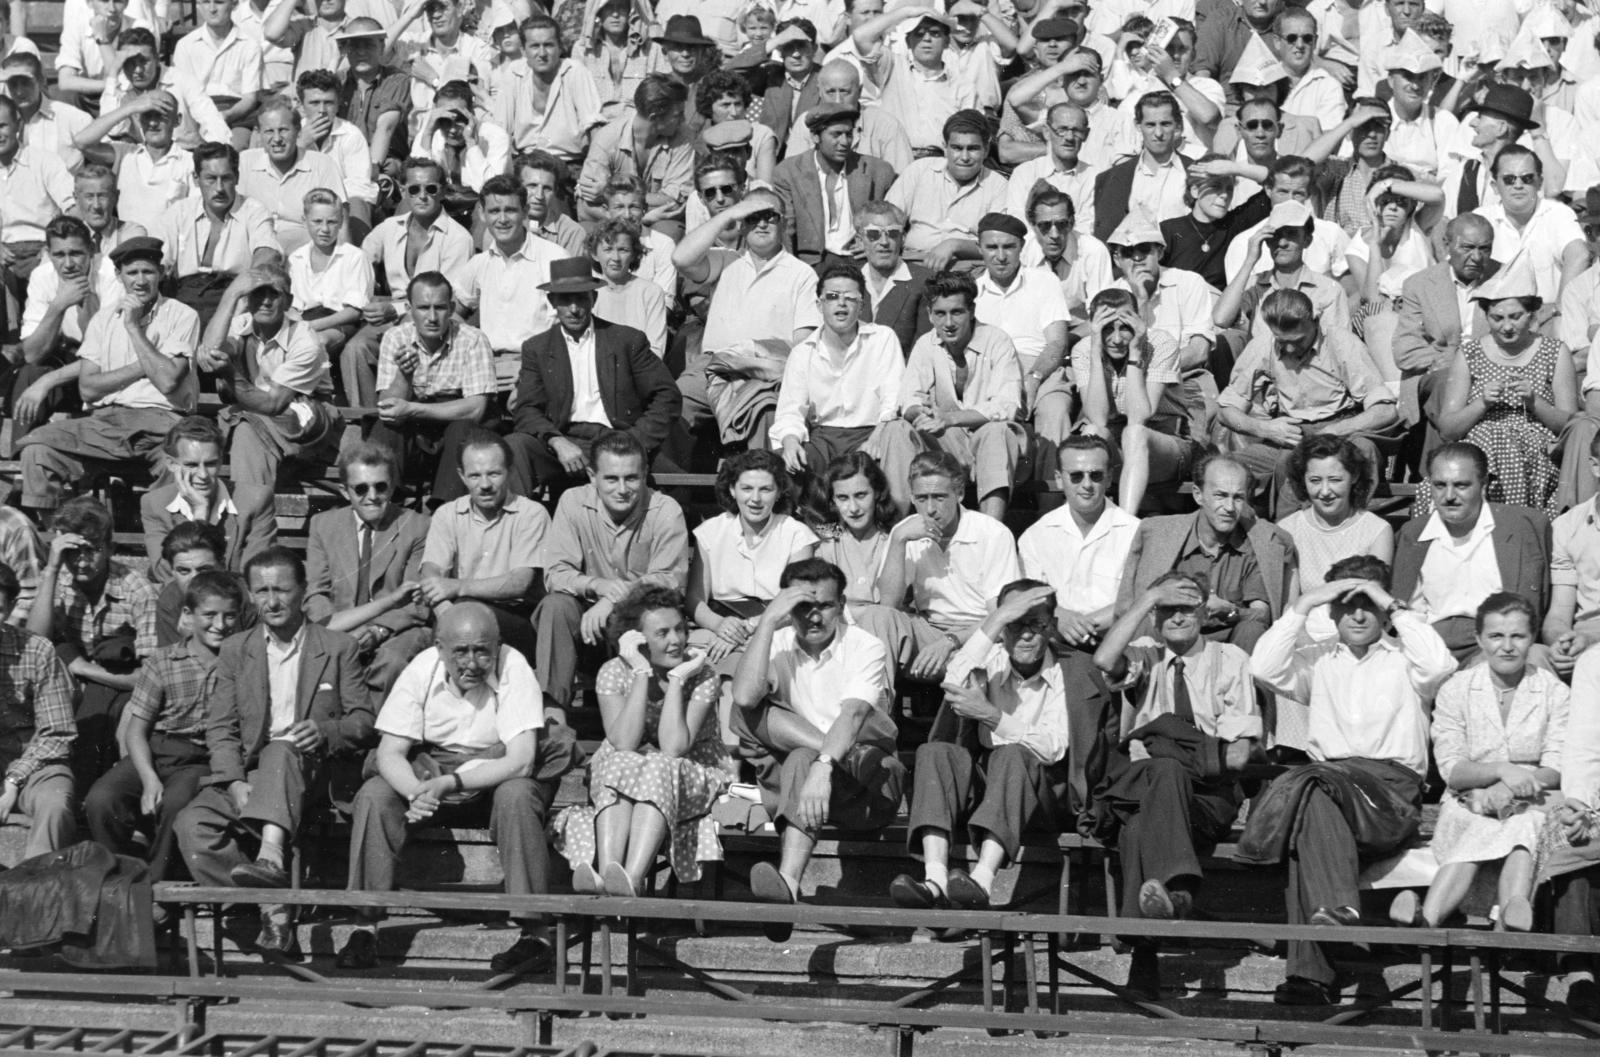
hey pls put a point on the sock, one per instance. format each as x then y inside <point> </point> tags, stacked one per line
<point>271,850</point>
<point>1579,975</point>
<point>983,876</point>
<point>937,875</point>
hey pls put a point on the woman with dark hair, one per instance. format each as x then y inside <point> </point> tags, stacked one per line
<point>740,554</point>
<point>724,98</point>
<point>661,766</point>
<point>1333,480</point>
<point>1498,732</point>
<point>1199,241</point>
<point>617,247</point>
<point>851,509</point>
<point>1392,248</point>
<point>1510,392</point>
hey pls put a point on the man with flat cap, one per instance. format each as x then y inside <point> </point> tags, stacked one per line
<point>1029,306</point>
<point>823,188</point>
<point>136,377</point>
<point>580,378</point>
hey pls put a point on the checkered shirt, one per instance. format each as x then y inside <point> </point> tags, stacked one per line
<point>128,601</point>
<point>36,714</point>
<point>170,691</point>
<point>463,365</point>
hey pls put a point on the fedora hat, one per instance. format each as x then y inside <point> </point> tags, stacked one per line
<point>1510,102</point>
<point>684,29</point>
<point>572,275</point>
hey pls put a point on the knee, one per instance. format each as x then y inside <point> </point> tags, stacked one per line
<point>558,609</point>
<point>518,794</point>
<point>938,755</point>
<point>375,793</point>
<point>1009,759</point>
<point>102,799</point>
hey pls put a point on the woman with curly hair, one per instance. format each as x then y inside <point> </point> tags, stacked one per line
<point>662,764</point>
<point>1333,480</point>
<point>851,509</point>
<point>617,247</point>
<point>724,97</point>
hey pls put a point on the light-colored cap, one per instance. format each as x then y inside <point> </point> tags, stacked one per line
<point>933,16</point>
<point>1289,214</point>
<point>1491,46</point>
<point>1412,55</point>
<point>1526,52</point>
<point>1136,229</point>
<point>1546,21</point>
<point>1516,279</point>
<point>1258,66</point>
<point>361,28</point>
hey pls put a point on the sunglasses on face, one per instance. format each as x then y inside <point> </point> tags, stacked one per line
<point>1077,476</point>
<point>1299,38</point>
<point>1515,179</point>
<point>420,190</point>
<point>834,297</point>
<point>1036,626</point>
<point>375,488</point>
<point>1053,225</point>
<point>763,218</point>
<point>1140,252</point>
<point>879,234</point>
<point>1263,124</point>
<point>719,191</point>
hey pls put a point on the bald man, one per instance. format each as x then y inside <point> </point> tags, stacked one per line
<point>464,734</point>
<point>878,133</point>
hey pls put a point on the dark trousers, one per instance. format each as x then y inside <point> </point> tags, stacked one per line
<point>1000,793</point>
<point>202,292</point>
<point>827,443</point>
<point>434,448</point>
<point>15,378</point>
<point>209,828</point>
<point>558,620</point>
<point>1161,829</point>
<point>867,785</point>
<point>1325,865</point>
<point>1577,899</point>
<point>112,806</point>
<point>535,463</point>
<point>1460,635</point>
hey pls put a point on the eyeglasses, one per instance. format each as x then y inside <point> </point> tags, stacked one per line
<point>834,297</point>
<point>1299,38</point>
<point>375,488</point>
<point>879,234</point>
<point>1077,476</point>
<point>1069,130</point>
<point>1139,252</point>
<point>764,217</point>
<point>1519,179</point>
<point>1262,124</point>
<point>417,190</point>
<point>720,191</point>
<point>1036,626</point>
<point>1053,225</point>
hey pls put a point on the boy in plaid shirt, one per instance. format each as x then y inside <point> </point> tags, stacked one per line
<point>165,739</point>
<point>36,731</point>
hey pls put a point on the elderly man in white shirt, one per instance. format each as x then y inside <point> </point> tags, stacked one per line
<point>463,730</point>
<point>1000,764</point>
<point>812,698</point>
<point>841,382</point>
<point>1368,696</point>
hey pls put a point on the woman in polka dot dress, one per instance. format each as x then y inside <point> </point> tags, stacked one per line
<point>662,765</point>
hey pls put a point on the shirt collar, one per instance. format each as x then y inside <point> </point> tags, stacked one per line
<point>180,505</point>
<point>1234,541</point>
<point>284,651</point>
<point>1435,530</point>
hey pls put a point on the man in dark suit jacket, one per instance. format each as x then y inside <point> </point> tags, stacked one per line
<point>798,180</point>
<point>359,559</point>
<point>246,516</point>
<point>624,383</point>
<point>881,226</point>
<point>1113,189</point>
<point>795,43</point>
<point>287,698</point>
<point>1439,573</point>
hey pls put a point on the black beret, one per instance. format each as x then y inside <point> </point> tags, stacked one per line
<point>1003,222</point>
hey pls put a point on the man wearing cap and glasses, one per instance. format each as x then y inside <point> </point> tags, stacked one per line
<point>823,188</point>
<point>422,239</point>
<point>1542,232</point>
<point>580,378</point>
<point>894,286</point>
<point>134,372</point>
<point>1061,167</point>
<point>1175,302</point>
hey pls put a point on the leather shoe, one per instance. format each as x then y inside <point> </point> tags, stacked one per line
<point>1345,917</point>
<point>767,885</point>
<point>908,892</point>
<point>1159,902</point>
<point>259,874</point>
<point>1406,910</point>
<point>529,954</point>
<point>360,951</point>
<point>1298,991</point>
<point>966,893</point>
<point>1583,998</point>
<point>278,935</point>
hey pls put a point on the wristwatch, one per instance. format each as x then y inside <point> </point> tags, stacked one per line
<point>827,761</point>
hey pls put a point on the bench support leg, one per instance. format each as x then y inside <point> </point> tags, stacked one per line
<point>986,970</point>
<point>901,1041</point>
<point>538,1026</point>
<point>191,923</point>
<point>1477,991</point>
<point>189,1018</point>
<point>1427,988</point>
<point>216,939</point>
<point>560,969</point>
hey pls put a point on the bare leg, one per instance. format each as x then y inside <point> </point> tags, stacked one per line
<point>1135,467</point>
<point>1516,885</point>
<point>611,827</point>
<point>724,716</point>
<point>1449,888</point>
<point>797,848</point>
<point>644,840</point>
<point>991,856</point>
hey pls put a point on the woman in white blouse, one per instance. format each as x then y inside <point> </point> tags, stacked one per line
<point>617,247</point>
<point>1498,731</point>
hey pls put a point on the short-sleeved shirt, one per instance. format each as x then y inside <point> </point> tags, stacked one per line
<point>127,605</point>
<point>448,247</point>
<point>1160,363</point>
<point>1032,302</point>
<point>186,227</point>
<point>1539,244</point>
<point>759,300</point>
<point>292,358</point>
<point>467,546</point>
<point>1328,300</point>
<point>505,291</point>
<point>172,327</point>
<point>853,667</point>
<point>362,106</point>
<point>34,189</point>
<point>1337,378</point>
<point>148,188</point>
<point>572,107</point>
<point>426,707</point>
<point>462,366</point>
<point>667,170</point>
<point>953,586</point>
<point>738,568</point>
<point>346,282</point>
<point>229,67</point>
<point>170,691</point>
<point>940,208</point>
<point>45,283</point>
<point>282,195</point>
<point>1181,305</point>
<point>1575,558</point>
<point>1084,568</point>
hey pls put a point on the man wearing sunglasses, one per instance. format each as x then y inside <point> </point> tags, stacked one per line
<point>1190,720</point>
<point>419,240</point>
<point>1505,115</point>
<point>896,296</point>
<point>1000,767</point>
<point>1315,92</point>
<point>1266,130</point>
<point>363,562</point>
<point>1544,233</point>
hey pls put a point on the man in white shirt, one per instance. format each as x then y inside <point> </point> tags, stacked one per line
<point>156,174</point>
<point>840,383</point>
<point>141,70</point>
<point>812,697</point>
<point>1422,133</point>
<point>1000,766</point>
<point>49,125</point>
<point>1177,303</point>
<point>462,731</point>
<point>502,283</point>
<point>1066,129</point>
<point>1542,233</point>
<point>1447,562</point>
<point>1369,696</point>
<point>1079,548</point>
<point>1189,720</point>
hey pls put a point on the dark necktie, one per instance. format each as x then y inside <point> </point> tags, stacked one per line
<point>364,568</point>
<point>1467,196</point>
<point>1180,693</point>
